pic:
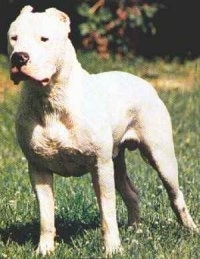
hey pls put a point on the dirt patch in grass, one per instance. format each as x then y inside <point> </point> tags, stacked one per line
<point>183,83</point>
<point>171,75</point>
<point>6,85</point>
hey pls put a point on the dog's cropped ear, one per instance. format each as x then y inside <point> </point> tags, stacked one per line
<point>60,15</point>
<point>26,9</point>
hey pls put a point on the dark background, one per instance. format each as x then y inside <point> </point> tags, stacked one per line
<point>178,25</point>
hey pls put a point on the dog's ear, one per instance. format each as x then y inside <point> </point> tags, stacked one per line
<point>26,9</point>
<point>60,15</point>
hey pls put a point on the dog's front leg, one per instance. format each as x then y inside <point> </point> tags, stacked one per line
<point>103,181</point>
<point>42,182</point>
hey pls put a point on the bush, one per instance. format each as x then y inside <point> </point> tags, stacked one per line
<point>114,25</point>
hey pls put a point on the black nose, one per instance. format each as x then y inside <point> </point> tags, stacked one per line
<point>19,58</point>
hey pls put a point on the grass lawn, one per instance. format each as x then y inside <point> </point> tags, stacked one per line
<point>77,214</point>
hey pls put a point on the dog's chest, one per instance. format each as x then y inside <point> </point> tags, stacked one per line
<point>50,139</point>
<point>55,147</point>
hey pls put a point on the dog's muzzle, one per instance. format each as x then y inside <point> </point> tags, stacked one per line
<point>18,60</point>
<point>19,70</point>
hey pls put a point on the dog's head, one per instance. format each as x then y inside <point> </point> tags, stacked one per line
<point>36,44</point>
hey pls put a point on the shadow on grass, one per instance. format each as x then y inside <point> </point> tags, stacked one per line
<point>65,231</point>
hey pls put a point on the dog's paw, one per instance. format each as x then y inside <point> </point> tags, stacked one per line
<point>195,229</point>
<point>46,247</point>
<point>113,248</point>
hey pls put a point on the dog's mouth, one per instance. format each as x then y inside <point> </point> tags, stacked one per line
<point>17,75</point>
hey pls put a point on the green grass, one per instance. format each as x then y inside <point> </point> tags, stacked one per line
<point>77,214</point>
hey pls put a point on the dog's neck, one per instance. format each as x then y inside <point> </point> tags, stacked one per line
<point>68,67</point>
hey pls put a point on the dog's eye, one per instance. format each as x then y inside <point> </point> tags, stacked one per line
<point>14,38</point>
<point>44,39</point>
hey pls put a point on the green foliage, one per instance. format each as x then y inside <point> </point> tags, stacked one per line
<point>77,214</point>
<point>115,24</point>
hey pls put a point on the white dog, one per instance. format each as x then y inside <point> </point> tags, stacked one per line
<point>71,122</point>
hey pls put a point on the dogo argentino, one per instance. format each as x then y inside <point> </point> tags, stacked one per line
<point>72,122</point>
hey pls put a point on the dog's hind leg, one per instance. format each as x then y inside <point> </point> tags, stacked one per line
<point>157,146</point>
<point>126,189</point>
